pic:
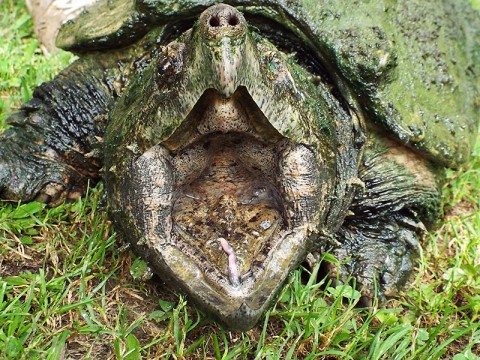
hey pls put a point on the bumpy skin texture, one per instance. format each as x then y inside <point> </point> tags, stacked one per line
<point>344,143</point>
<point>53,147</point>
<point>315,181</point>
<point>44,152</point>
<point>378,242</point>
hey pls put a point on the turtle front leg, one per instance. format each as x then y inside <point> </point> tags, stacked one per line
<point>380,255</point>
<point>378,242</point>
<point>52,147</point>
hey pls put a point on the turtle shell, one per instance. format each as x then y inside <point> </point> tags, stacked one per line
<point>406,67</point>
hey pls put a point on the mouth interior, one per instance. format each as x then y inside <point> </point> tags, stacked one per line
<point>227,208</point>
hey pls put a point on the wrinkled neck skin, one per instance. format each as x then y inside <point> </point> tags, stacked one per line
<point>227,166</point>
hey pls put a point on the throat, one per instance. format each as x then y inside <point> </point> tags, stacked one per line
<point>227,213</point>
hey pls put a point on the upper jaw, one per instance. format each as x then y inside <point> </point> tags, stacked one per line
<point>226,63</point>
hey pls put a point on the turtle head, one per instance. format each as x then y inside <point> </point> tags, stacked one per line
<point>225,161</point>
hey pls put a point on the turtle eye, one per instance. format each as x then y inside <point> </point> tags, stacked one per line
<point>170,61</point>
<point>163,66</point>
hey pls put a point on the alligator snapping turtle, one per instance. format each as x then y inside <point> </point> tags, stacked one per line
<point>235,140</point>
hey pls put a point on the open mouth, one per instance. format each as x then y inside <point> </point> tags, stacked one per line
<point>230,204</point>
<point>227,207</point>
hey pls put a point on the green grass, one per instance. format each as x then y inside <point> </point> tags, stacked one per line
<point>22,65</point>
<point>66,290</point>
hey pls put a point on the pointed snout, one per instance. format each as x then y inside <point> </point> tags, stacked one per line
<point>222,37</point>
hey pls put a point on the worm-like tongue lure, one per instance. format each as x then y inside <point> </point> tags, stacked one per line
<point>232,262</point>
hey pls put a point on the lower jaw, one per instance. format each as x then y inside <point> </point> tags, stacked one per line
<point>150,198</point>
<point>238,307</point>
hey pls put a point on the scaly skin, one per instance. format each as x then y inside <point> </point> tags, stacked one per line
<point>379,241</point>
<point>54,146</point>
<point>51,148</point>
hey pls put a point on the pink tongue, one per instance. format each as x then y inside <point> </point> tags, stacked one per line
<point>232,262</point>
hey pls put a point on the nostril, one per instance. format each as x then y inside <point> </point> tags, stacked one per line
<point>214,21</point>
<point>233,21</point>
<point>222,19</point>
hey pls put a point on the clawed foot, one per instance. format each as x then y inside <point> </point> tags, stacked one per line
<point>28,177</point>
<point>378,259</point>
<point>380,270</point>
